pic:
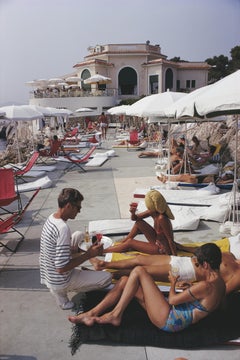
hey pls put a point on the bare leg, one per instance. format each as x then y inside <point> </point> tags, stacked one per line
<point>157,272</point>
<point>142,227</point>
<point>142,260</point>
<point>131,244</point>
<point>190,249</point>
<point>141,285</point>
<point>112,297</point>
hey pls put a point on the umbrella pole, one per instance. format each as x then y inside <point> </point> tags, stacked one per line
<point>236,151</point>
<point>235,184</point>
<point>18,150</point>
<point>169,144</point>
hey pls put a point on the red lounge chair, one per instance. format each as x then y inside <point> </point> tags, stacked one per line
<point>133,141</point>
<point>7,226</point>
<point>53,151</point>
<point>20,172</point>
<point>8,194</point>
<point>71,135</point>
<point>82,160</point>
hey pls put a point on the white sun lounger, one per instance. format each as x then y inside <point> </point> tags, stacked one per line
<point>206,196</point>
<point>100,158</point>
<point>46,168</point>
<point>34,173</point>
<point>42,183</point>
<point>185,219</point>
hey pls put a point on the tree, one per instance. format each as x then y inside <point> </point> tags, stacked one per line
<point>177,59</point>
<point>234,64</point>
<point>221,66</point>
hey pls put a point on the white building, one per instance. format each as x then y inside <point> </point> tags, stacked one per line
<point>135,70</point>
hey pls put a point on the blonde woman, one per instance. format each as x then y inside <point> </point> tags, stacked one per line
<point>159,237</point>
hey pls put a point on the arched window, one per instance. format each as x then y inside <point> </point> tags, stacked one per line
<point>169,79</point>
<point>127,81</point>
<point>85,75</point>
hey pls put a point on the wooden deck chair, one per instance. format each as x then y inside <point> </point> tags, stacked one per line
<point>133,141</point>
<point>8,193</point>
<point>7,226</point>
<point>20,172</point>
<point>82,160</point>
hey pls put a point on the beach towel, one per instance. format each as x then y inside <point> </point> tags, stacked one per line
<point>137,330</point>
<point>223,244</point>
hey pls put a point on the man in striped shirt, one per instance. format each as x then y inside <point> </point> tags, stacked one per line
<point>57,264</point>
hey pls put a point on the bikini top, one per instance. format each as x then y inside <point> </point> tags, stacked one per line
<point>197,303</point>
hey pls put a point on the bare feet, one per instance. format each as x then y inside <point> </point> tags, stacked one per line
<point>84,318</point>
<point>98,264</point>
<point>109,318</point>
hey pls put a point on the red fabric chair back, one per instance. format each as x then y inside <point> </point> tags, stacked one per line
<point>133,137</point>
<point>55,147</point>
<point>29,164</point>
<point>7,187</point>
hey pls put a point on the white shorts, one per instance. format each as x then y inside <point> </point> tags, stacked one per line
<point>103,125</point>
<point>184,267</point>
<point>82,281</point>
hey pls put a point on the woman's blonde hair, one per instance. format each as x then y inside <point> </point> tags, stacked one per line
<point>156,202</point>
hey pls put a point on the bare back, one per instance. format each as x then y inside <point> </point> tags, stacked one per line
<point>230,272</point>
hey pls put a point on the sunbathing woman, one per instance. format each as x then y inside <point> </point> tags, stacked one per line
<point>186,267</point>
<point>172,315</point>
<point>160,237</point>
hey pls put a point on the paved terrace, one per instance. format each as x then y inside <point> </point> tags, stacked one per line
<point>32,326</point>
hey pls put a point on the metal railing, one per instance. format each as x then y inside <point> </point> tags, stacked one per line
<point>48,93</point>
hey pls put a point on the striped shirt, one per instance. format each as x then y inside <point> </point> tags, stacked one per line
<point>55,252</point>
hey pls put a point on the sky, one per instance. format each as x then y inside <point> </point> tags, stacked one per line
<point>46,38</point>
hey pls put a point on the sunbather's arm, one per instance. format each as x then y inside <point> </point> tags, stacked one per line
<point>139,216</point>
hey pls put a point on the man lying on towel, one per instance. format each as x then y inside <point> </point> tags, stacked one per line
<point>172,315</point>
<point>187,268</point>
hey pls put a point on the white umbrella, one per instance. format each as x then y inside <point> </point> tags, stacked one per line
<point>97,79</point>
<point>44,110</point>
<point>154,105</point>
<point>59,112</point>
<point>62,84</point>
<point>185,106</point>
<point>55,80</point>
<point>118,110</point>
<point>84,109</point>
<point>50,111</point>
<point>37,83</point>
<point>72,86</point>
<point>20,112</point>
<point>66,112</point>
<point>73,79</point>
<point>221,98</point>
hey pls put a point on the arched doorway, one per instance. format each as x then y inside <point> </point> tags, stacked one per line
<point>127,81</point>
<point>85,75</point>
<point>169,79</point>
